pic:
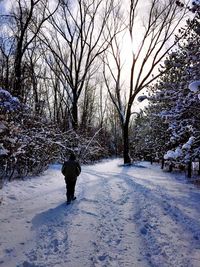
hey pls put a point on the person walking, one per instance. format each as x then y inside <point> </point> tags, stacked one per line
<point>71,169</point>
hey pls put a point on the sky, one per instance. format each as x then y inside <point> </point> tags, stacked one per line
<point>127,46</point>
<point>5,5</point>
<point>1,7</point>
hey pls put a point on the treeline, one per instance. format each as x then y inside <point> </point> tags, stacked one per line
<point>169,128</point>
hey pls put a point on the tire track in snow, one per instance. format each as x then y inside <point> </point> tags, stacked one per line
<point>160,223</point>
<point>116,242</point>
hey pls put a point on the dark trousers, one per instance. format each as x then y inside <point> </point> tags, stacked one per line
<point>70,188</point>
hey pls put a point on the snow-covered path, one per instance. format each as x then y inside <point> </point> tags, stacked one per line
<point>123,217</point>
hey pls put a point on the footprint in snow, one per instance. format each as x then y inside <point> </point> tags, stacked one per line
<point>29,264</point>
<point>167,206</point>
<point>114,242</point>
<point>12,197</point>
<point>146,227</point>
<point>8,251</point>
<point>143,231</point>
<point>102,257</point>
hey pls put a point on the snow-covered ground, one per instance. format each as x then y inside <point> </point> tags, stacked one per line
<point>123,217</point>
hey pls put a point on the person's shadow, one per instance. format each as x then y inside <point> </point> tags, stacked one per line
<point>51,237</point>
<point>52,216</point>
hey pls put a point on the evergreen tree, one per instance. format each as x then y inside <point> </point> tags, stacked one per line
<point>177,99</point>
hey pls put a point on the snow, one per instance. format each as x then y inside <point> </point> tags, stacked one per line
<point>169,154</point>
<point>3,151</point>
<point>2,127</point>
<point>5,93</point>
<point>7,101</point>
<point>124,216</point>
<point>173,154</point>
<point>189,143</point>
<point>194,86</point>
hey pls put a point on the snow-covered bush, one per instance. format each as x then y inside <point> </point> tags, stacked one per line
<point>29,143</point>
<point>23,148</point>
<point>8,103</point>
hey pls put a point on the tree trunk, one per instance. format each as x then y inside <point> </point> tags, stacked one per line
<point>190,169</point>
<point>17,90</point>
<point>74,114</point>
<point>38,110</point>
<point>162,163</point>
<point>7,84</point>
<point>127,158</point>
<point>170,167</point>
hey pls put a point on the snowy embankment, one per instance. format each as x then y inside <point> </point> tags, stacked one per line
<point>123,216</point>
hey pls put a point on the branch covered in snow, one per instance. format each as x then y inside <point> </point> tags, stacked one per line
<point>194,86</point>
<point>8,103</point>
<point>187,146</point>
<point>173,154</point>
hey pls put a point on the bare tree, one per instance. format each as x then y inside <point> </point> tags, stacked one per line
<point>27,19</point>
<point>87,106</point>
<point>7,46</point>
<point>79,35</point>
<point>6,60</point>
<point>57,99</point>
<point>162,18</point>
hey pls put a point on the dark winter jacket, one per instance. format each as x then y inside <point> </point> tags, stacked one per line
<point>71,169</point>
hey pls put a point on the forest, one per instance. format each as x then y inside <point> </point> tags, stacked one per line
<point>100,78</point>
